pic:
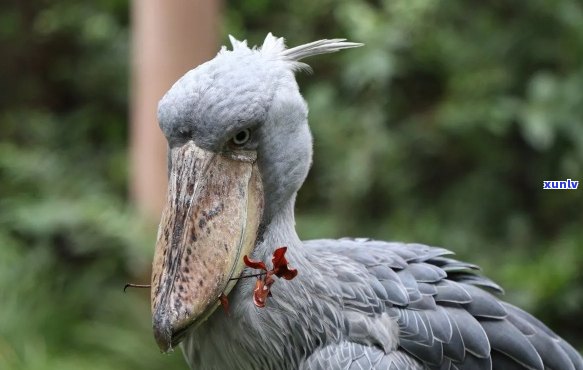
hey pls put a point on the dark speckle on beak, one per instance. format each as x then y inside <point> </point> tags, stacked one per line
<point>205,229</point>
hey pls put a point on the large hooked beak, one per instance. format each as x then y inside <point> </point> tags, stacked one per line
<point>210,222</point>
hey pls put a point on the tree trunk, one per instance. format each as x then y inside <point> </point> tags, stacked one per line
<point>169,37</point>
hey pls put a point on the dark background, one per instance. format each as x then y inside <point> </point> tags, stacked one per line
<point>440,130</point>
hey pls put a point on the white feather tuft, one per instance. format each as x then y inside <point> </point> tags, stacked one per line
<point>295,54</point>
<point>272,45</point>
<point>273,48</point>
<point>318,47</point>
<point>238,44</point>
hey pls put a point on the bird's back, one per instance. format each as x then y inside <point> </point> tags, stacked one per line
<point>446,316</point>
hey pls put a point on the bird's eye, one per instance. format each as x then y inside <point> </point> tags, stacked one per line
<point>241,137</point>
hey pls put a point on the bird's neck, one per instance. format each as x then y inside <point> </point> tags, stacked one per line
<point>279,231</point>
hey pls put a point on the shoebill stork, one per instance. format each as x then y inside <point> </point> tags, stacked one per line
<point>239,149</point>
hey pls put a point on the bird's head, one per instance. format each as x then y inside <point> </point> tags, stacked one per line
<point>239,148</point>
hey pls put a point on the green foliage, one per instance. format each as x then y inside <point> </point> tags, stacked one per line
<point>69,240</point>
<point>440,130</point>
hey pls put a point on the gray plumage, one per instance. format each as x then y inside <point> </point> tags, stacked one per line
<point>356,303</point>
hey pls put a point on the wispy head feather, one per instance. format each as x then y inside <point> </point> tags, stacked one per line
<point>238,44</point>
<point>274,48</point>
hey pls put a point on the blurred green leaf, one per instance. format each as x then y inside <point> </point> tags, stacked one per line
<point>439,130</point>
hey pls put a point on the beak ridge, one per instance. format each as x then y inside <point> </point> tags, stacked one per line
<point>210,221</point>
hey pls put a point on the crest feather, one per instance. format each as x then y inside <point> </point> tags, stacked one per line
<point>238,44</point>
<point>318,47</point>
<point>274,47</point>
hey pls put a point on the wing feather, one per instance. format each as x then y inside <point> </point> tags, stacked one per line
<point>508,340</point>
<point>452,292</point>
<point>446,316</point>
